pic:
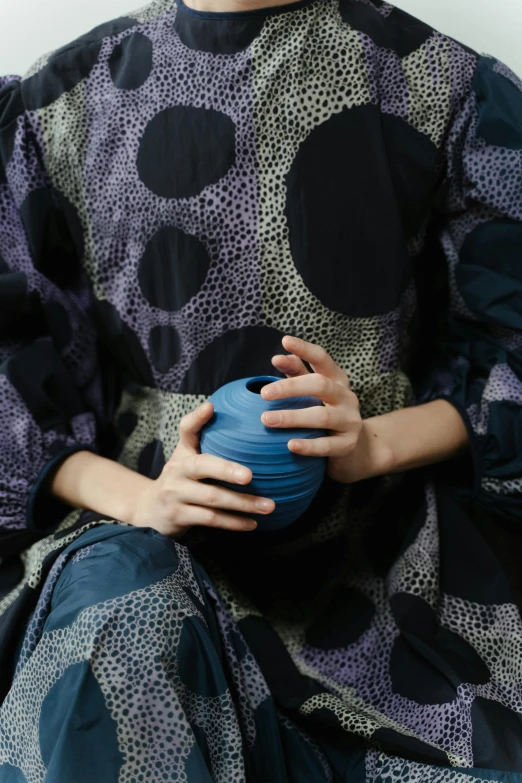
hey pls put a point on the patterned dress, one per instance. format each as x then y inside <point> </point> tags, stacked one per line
<point>179,190</point>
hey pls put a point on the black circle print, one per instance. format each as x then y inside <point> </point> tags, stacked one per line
<point>59,323</point>
<point>428,662</point>
<point>165,347</point>
<point>69,65</point>
<point>172,269</point>
<point>127,423</point>
<point>348,616</point>
<point>184,149</point>
<point>102,730</point>
<point>124,344</point>
<point>130,63</point>
<point>344,225</point>
<point>496,735</point>
<point>398,31</point>
<point>255,344</point>
<point>54,233</point>
<point>209,682</point>
<point>151,460</point>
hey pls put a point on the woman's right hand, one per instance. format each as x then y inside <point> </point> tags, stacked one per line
<point>177,499</point>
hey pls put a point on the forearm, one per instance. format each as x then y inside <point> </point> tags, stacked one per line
<point>402,440</point>
<point>394,442</point>
<point>86,480</point>
<point>420,435</point>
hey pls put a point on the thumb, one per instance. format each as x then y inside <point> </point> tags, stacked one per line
<point>191,425</point>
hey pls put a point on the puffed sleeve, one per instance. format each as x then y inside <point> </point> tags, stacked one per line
<point>51,394</point>
<point>476,358</point>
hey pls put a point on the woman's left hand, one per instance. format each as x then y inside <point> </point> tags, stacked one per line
<point>350,449</point>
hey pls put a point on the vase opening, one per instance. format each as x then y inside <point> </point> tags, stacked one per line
<point>256,386</point>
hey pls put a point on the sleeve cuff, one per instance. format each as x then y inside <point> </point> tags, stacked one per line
<point>44,511</point>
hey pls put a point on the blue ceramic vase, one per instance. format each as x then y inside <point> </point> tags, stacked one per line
<point>236,432</point>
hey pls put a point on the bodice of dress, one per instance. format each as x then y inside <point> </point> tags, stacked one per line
<point>231,180</point>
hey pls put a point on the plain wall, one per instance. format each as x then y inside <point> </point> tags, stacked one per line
<point>30,28</point>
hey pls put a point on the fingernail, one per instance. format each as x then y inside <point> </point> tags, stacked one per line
<point>240,474</point>
<point>250,525</point>
<point>273,417</point>
<point>263,505</point>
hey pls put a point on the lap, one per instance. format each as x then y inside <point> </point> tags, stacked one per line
<point>127,655</point>
<point>131,652</point>
<point>111,562</point>
<point>121,655</point>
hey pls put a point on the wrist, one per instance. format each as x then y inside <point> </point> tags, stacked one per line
<point>132,500</point>
<point>371,457</point>
<point>382,457</point>
<point>87,480</point>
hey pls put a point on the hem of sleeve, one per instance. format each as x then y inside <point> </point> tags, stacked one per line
<point>473,440</point>
<point>43,510</point>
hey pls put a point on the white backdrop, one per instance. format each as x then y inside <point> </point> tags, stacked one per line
<point>30,28</point>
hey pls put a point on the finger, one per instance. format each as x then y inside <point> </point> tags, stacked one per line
<point>289,364</point>
<point>199,515</point>
<point>337,418</point>
<point>312,384</point>
<point>213,496</point>
<point>201,466</point>
<point>318,359</point>
<point>191,424</point>
<point>331,446</point>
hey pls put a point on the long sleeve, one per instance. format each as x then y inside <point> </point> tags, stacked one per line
<point>476,361</point>
<point>50,388</point>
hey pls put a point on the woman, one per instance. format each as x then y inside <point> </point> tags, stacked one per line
<point>328,190</point>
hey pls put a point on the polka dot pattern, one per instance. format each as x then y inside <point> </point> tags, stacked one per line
<point>71,64</point>
<point>38,64</point>
<point>351,721</point>
<point>107,634</point>
<point>331,323</point>
<point>231,250</point>
<point>23,166</point>
<point>157,415</point>
<point>24,466</point>
<point>365,698</point>
<point>173,166</point>
<point>400,32</point>
<point>382,767</point>
<point>251,687</point>
<point>286,112</point>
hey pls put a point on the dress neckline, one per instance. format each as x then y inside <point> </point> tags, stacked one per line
<point>252,13</point>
